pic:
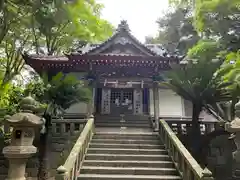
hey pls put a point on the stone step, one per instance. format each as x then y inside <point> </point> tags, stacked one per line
<point>127,141</point>
<point>127,154</point>
<point>130,157</point>
<point>125,177</point>
<point>126,146</point>
<point>127,170</point>
<point>127,151</point>
<point>128,117</point>
<point>123,120</point>
<point>126,136</point>
<point>98,124</point>
<point>126,163</point>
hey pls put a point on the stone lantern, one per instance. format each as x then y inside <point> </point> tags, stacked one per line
<point>20,149</point>
<point>234,127</point>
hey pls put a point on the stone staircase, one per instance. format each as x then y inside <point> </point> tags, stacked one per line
<point>137,121</point>
<point>127,156</point>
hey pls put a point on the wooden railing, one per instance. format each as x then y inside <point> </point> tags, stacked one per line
<point>70,169</point>
<point>187,166</point>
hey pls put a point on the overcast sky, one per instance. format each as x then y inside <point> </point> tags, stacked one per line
<point>141,15</point>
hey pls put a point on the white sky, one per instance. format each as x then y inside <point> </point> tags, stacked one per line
<point>141,15</point>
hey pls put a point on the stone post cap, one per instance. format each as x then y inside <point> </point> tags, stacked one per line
<point>207,174</point>
<point>61,170</point>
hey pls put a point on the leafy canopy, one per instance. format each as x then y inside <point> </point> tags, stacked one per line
<point>201,79</point>
<point>59,93</point>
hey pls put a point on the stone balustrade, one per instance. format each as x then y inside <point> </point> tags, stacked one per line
<point>187,166</point>
<point>59,126</point>
<point>182,125</point>
<point>70,169</point>
<point>64,126</point>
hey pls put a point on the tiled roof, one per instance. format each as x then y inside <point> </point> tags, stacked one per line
<point>122,27</point>
<point>45,57</point>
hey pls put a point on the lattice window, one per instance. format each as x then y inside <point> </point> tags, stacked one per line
<point>115,95</point>
<point>127,95</point>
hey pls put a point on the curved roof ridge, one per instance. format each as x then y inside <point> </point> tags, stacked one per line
<point>122,27</point>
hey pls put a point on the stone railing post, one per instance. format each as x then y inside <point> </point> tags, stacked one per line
<point>20,149</point>
<point>234,127</point>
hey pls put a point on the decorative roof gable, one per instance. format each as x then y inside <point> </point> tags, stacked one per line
<point>121,43</point>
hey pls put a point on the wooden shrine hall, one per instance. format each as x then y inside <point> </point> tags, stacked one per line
<point>124,72</point>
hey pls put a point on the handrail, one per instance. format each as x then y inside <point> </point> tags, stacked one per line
<point>187,166</point>
<point>70,169</point>
<point>182,124</point>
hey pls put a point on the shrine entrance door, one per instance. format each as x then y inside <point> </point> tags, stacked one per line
<point>121,101</point>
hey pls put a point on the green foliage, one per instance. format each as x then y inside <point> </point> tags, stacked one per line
<point>54,25</point>
<point>198,82</point>
<point>61,24</point>
<point>217,19</point>
<point>176,32</point>
<point>59,93</point>
<point>10,98</point>
<point>205,50</point>
<point>201,80</point>
<point>216,13</point>
<point>233,63</point>
<point>12,15</point>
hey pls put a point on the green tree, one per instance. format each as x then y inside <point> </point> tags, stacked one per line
<point>55,95</point>
<point>61,25</point>
<point>200,81</point>
<point>14,38</point>
<point>216,19</point>
<point>12,14</point>
<point>176,32</point>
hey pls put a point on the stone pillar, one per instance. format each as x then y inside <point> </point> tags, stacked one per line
<point>20,149</point>
<point>156,106</point>
<point>234,127</point>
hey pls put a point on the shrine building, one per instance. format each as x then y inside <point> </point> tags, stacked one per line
<point>125,76</point>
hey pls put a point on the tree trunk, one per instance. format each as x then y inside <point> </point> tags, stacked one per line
<point>43,170</point>
<point>196,132</point>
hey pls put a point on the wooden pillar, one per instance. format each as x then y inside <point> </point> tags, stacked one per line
<point>151,102</point>
<point>105,104</point>
<point>138,101</point>
<point>156,107</point>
